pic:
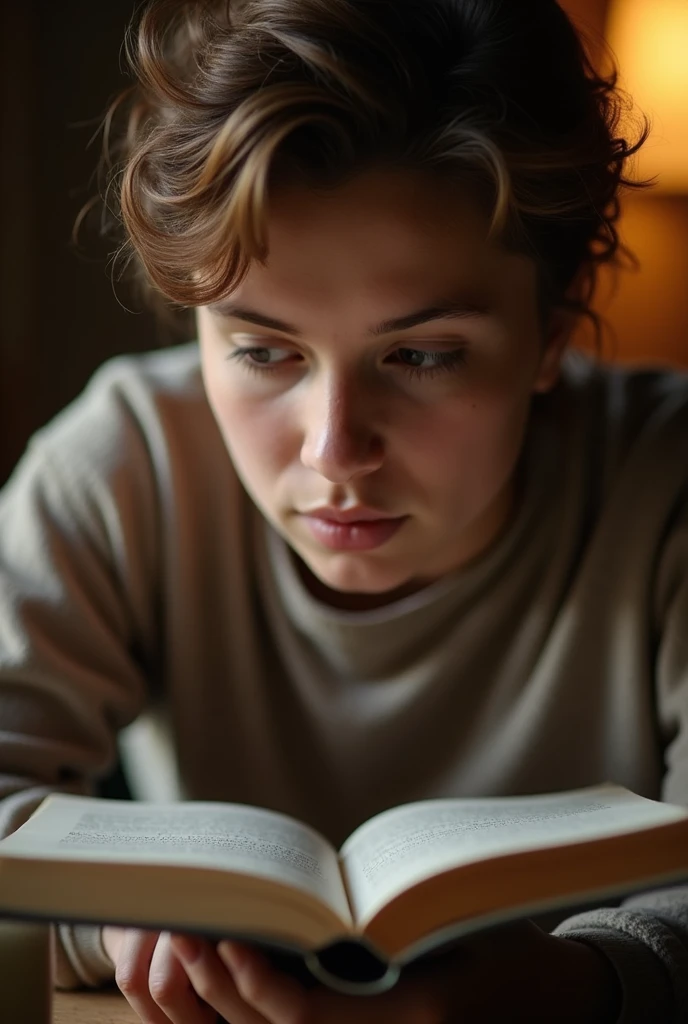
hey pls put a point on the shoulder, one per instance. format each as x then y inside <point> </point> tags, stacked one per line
<point>624,393</point>
<point>624,415</point>
<point>134,408</point>
<point>140,436</point>
<point>135,385</point>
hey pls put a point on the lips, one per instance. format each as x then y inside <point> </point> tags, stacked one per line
<point>350,531</point>
<point>353,515</point>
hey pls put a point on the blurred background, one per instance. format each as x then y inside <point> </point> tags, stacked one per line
<point>61,313</point>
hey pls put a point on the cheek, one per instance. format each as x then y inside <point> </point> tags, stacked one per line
<point>256,434</point>
<point>473,445</point>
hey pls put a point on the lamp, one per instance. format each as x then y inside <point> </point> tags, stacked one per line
<point>650,40</point>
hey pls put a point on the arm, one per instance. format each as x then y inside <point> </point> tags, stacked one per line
<point>646,939</point>
<point>71,574</point>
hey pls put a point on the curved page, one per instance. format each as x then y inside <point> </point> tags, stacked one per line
<point>232,837</point>
<point>402,847</point>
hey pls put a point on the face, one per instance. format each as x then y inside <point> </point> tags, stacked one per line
<point>373,379</point>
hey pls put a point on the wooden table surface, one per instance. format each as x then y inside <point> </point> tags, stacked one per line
<point>92,1008</point>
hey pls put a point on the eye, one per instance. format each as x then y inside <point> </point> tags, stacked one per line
<point>428,363</point>
<point>261,357</point>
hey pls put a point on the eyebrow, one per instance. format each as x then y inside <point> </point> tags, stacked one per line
<point>451,309</point>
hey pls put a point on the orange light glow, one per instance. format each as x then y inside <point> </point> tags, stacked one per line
<point>650,40</point>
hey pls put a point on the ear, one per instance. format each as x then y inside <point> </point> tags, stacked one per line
<point>557,338</point>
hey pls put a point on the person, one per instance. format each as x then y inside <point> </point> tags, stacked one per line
<point>378,533</point>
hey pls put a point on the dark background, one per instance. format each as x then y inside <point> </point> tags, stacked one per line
<point>61,312</point>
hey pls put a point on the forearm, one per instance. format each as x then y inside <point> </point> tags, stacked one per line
<point>646,941</point>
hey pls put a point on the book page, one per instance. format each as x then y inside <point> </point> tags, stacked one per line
<point>403,846</point>
<point>230,837</point>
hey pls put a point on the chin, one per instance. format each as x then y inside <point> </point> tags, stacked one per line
<point>342,575</point>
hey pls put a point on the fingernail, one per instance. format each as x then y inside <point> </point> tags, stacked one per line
<point>188,949</point>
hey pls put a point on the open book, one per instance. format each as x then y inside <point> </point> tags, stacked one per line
<point>404,884</point>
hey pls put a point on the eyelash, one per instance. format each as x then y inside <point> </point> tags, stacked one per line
<point>444,362</point>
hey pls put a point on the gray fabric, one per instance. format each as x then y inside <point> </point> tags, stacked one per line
<point>647,942</point>
<point>145,603</point>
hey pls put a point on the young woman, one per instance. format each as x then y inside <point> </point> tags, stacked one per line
<point>377,535</point>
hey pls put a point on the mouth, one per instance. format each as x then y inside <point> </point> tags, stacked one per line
<point>358,514</point>
<point>352,531</point>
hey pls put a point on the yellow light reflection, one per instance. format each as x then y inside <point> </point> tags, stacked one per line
<point>650,40</point>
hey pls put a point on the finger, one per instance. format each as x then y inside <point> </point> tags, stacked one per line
<point>212,981</point>
<point>273,994</point>
<point>112,938</point>
<point>171,989</point>
<point>131,974</point>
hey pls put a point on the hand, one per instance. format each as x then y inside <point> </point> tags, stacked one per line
<point>516,973</point>
<point>152,979</point>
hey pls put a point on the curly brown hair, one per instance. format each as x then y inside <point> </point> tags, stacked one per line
<point>230,96</point>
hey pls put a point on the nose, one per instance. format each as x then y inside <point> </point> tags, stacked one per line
<point>340,439</point>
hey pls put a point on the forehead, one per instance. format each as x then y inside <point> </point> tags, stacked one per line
<point>391,237</point>
<point>392,229</point>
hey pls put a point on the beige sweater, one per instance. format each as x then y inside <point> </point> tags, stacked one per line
<point>140,587</point>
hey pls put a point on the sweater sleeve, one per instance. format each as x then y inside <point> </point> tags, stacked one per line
<point>646,938</point>
<point>76,556</point>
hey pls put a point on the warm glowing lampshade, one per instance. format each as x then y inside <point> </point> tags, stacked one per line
<point>650,40</point>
